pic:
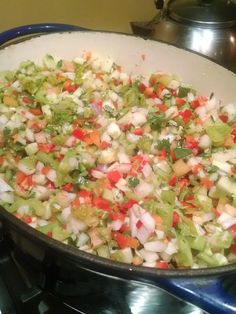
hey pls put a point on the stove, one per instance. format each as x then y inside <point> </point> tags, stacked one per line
<point>25,289</point>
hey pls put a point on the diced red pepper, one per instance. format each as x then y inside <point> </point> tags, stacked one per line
<point>68,187</point>
<point>36,111</point>
<point>101,203</point>
<point>84,193</point>
<point>70,87</point>
<point>49,234</point>
<point>172,181</point>
<point>117,216</point>
<point>180,101</point>
<point>27,219</point>
<point>104,145</point>
<point>46,148</point>
<point>79,134</point>
<point>138,131</point>
<point>186,115</point>
<point>195,103</point>
<point>125,240</point>
<point>233,249</point>
<point>232,229</point>
<point>162,265</point>
<point>27,100</point>
<point>175,219</point>
<point>127,205</point>
<point>191,142</point>
<point>162,154</point>
<point>162,107</point>
<point>114,176</point>
<point>206,182</point>
<point>224,118</point>
<point>142,87</point>
<point>183,183</point>
<point>20,177</point>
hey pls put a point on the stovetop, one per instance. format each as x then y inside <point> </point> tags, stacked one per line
<point>24,290</point>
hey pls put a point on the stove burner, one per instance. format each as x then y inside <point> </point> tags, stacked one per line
<point>28,288</point>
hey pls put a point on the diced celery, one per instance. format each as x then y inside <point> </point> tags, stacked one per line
<point>184,256</point>
<point>103,251</point>
<point>47,159</point>
<point>59,233</point>
<point>168,197</point>
<point>198,243</point>
<point>218,132</point>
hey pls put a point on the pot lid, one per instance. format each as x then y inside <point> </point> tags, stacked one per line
<point>207,13</point>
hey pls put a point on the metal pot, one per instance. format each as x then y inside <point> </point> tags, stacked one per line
<point>129,51</point>
<point>207,27</point>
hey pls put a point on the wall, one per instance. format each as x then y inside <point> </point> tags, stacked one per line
<point>103,14</point>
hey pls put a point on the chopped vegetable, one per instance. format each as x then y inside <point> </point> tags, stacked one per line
<point>136,168</point>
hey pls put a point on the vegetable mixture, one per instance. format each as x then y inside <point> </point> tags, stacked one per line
<point>137,169</point>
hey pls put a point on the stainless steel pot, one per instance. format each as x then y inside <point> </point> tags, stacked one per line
<point>207,27</point>
<point>203,287</point>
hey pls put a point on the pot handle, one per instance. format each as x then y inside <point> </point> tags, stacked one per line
<point>24,30</point>
<point>212,294</point>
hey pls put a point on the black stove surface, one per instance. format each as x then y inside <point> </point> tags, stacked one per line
<point>25,290</point>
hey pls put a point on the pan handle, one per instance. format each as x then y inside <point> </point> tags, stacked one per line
<point>24,30</point>
<point>211,294</point>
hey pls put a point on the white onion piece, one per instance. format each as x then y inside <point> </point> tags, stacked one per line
<point>127,255</point>
<point>204,141</point>
<point>123,158</point>
<point>116,224</point>
<point>225,156</point>
<point>171,248</point>
<point>226,220</point>
<point>4,187</point>
<point>149,256</point>
<point>155,246</point>
<point>147,170</point>
<point>52,175</point>
<point>147,264</point>
<point>143,189</point>
<point>75,225</point>
<point>97,174</point>
<point>65,214</point>
<point>124,167</point>
<point>231,210</point>
<point>143,234</point>
<point>148,221</point>
<point>7,197</point>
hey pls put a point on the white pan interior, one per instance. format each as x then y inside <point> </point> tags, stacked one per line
<point>134,54</point>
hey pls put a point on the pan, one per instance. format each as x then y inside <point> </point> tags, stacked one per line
<point>202,287</point>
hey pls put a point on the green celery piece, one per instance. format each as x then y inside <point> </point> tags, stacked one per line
<point>208,259</point>
<point>47,228</point>
<point>103,251</point>
<point>34,204</point>
<point>220,240</point>
<point>29,162</point>
<point>168,196</point>
<point>198,243</point>
<point>218,132</point>
<point>145,143</point>
<point>187,228</point>
<point>59,233</point>
<point>166,213</point>
<point>184,256</point>
<point>47,159</point>
<point>49,62</point>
